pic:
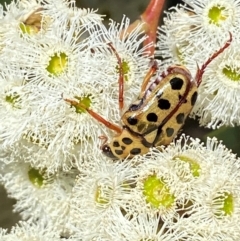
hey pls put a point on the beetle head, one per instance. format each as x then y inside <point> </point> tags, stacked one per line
<point>107,151</point>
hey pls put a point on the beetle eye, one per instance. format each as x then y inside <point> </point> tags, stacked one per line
<point>108,152</point>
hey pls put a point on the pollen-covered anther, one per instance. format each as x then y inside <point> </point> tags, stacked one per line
<point>193,165</point>
<point>38,139</point>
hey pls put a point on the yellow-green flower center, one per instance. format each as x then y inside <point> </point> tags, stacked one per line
<point>84,102</point>
<point>193,165</point>
<point>12,99</point>
<point>57,64</point>
<point>35,177</point>
<point>28,29</point>
<point>102,195</point>
<point>226,202</point>
<point>157,193</point>
<point>215,15</point>
<point>125,68</point>
<point>232,73</point>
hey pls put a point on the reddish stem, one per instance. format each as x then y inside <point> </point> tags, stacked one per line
<point>150,18</point>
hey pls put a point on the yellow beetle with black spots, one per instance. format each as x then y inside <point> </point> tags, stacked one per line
<point>159,112</point>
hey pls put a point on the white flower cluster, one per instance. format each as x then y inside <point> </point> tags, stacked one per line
<point>58,59</point>
<point>190,35</point>
<point>187,191</point>
<point>52,51</point>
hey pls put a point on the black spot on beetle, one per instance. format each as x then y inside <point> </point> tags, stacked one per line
<point>169,131</point>
<point>127,140</point>
<point>123,148</point>
<point>116,144</point>
<point>132,121</point>
<point>194,98</point>
<point>135,151</point>
<point>119,152</point>
<point>180,118</point>
<point>180,97</point>
<point>152,117</point>
<point>164,104</point>
<point>146,143</point>
<point>176,83</point>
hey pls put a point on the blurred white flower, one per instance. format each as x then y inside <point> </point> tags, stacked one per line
<point>28,231</point>
<point>40,198</point>
<point>144,227</point>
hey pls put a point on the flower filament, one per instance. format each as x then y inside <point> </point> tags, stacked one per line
<point>102,196</point>
<point>225,204</point>
<point>193,165</point>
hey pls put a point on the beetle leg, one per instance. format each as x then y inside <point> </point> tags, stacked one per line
<point>104,140</point>
<point>149,74</point>
<point>120,78</point>
<point>96,116</point>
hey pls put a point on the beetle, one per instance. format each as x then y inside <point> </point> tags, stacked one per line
<point>159,112</point>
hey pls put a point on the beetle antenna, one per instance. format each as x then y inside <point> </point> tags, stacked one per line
<point>121,77</point>
<point>201,71</point>
<point>95,115</point>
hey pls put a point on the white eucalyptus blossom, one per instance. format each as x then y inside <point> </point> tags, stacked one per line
<point>144,227</point>
<point>40,198</point>
<point>218,102</point>
<point>212,17</point>
<point>133,55</point>
<point>191,34</point>
<point>189,183</point>
<point>99,193</point>
<point>66,64</point>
